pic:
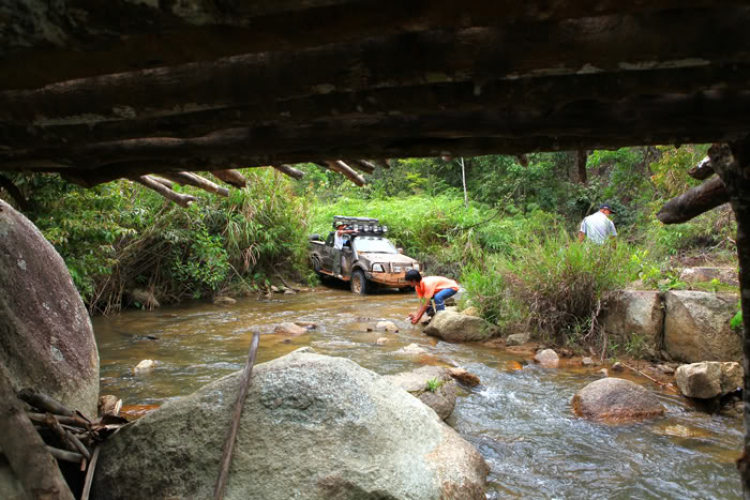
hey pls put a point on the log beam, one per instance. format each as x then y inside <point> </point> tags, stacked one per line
<point>190,179</point>
<point>231,177</point>
<point>345,170</point>
<point>182,200</point>
<point>703,170</point>
<point>290,171</point>
<point>694,202</point>
<point>361,165</point>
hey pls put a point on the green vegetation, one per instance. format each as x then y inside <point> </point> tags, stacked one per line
<point>513,245</point>
<point>434,384</point>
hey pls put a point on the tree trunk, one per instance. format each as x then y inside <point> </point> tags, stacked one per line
<point>581,157</point>
<point>694,202</point>
<point>732,163</point>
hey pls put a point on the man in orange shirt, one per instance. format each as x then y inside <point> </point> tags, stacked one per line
<point>437,288</point>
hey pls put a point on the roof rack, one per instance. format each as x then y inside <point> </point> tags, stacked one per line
<point>365,226</point>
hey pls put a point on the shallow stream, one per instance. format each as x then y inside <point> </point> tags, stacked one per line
<point>519,418</point>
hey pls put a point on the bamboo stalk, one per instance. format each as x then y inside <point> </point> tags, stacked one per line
<point>90,474</point>
<point>226,459</point>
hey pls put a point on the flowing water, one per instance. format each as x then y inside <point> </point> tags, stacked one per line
<point>519,418</point>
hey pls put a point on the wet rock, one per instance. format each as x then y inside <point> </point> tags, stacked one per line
<point>725,275</point>
<point>464,376</point>
<point>276,289</point>
<point>709,379</point>
<point>603,373</point>
<point>617,367</point>
<point>635,312</point>
<point>456,327</point>
<point>307,324</point>
<point>547,358</point>
<point>224,300</point>
<point>388,326</point>
<point>616,400</point>
<point>587,362</point>
<point>381,341</point>
<point>144,366</point>
<point>322,427</point>
<point>517,339</point>
<point>697,327</point>
<point>290,329</point>
<point>289,291</point>
<point>418,383</point>
<point>665,369</point>
<point>47,343</point>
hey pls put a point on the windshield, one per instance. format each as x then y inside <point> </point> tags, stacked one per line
<point>364,244</point>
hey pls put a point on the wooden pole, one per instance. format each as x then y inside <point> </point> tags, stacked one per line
<point>191,179</point>
<point>27,454</point>
<point>345,170</point>
<point>231,177</point>
<point>289,170</point>
<point>182,200</point>
<point>226,458</point>
<point>463,178</point>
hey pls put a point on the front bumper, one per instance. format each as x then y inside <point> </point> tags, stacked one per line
<point>388,279</point>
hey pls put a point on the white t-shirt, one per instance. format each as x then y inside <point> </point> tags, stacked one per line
<point>338,241</point>
<point>597,227</point>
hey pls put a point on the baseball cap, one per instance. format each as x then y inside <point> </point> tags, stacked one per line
<point>606,206</point>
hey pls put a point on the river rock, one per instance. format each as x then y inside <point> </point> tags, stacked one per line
<point>457,327</point>
<point>144,366</point>
<point>697,327</point>
<point>635,312</point>
<point>616,400</point>
<point>145,298</point>
<point>381,341</point>
<point>709,379</point>
<point>224,300</point>
<point>313,427</point>
<point>547,358</point>
<point>388,326</point>
<point>518,339</point>
<point>726,275</point>
<point>471,311</point>
<point>290,329</point>
<point>464,376</point>
<point>415,382</point>
<point>46,340</point>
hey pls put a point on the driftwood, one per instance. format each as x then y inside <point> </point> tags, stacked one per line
<point>231,177</point>
<point>345,170</point>
<point>290,171</point>
<point>226,458</point>
<point>183,200</point>
<point>694,202</point>
<point>26,452</point>
<point>189,178</point>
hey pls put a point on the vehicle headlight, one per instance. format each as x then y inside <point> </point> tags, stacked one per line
<point>378,268</point>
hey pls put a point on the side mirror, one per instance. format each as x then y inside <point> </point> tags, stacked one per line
<point>400,250</point>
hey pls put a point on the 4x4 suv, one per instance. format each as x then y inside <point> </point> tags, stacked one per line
<point>370,259</point>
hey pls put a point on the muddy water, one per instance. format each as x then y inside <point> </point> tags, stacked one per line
<point>519,417</point>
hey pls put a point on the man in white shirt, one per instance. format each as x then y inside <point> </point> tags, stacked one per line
<point>338,247</point>
<point>597,227</point>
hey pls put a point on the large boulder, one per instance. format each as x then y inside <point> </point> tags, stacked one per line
<point>635,312</point>
<point>457,327</point>
<point>432,385</point>
<point>697,327</point>
<point>709,379</point>
<point>313,427</point>
<point>616,400</point>
<point>46,339</point>
<point>726,275</point>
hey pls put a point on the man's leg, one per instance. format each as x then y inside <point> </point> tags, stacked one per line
<point>337,254</point>
<point>440,297</point>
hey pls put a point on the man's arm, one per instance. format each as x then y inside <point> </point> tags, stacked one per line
<point>422,309</point>
<point>581,236</point>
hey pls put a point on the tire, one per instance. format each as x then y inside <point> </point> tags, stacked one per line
<point>359,283</point>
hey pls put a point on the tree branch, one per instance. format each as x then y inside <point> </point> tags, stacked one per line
<point>694,202</point>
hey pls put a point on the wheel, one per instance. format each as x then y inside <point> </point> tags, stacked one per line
<point>317,267</point>
<point>359,283</point>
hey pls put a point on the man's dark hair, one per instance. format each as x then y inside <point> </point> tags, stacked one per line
<point>413,275</point>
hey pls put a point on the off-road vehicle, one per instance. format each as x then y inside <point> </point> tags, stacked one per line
<point>370,259</point>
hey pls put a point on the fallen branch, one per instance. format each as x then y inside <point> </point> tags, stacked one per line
<point>65,456</point>
<point>44,403</point>
<point>26,452</point>
<point>226,458</point>
<point>284,281</point>
<point>90,475</point>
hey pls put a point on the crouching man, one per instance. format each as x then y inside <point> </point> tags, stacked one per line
<point>430,288</point>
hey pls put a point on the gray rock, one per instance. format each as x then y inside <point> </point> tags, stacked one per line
<point>616,400</point>
<point>224,300</point>
<point>313,427</point>
<point>709,379</point>
<point>381,341</point>
<point>635,312</point>
<point>547,358</point>
<point>415,382</point>
<point>697,327</point>
<point>587,362</point>
<point>290,329</point>
<point>46,340</point>
<point>726,275</point>
<point>456,327</point>
<point>145,298</point>
<point>517,339</point>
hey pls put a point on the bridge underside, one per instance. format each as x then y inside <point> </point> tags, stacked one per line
<point>155,86</point>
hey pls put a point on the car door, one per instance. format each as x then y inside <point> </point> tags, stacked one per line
<point>328,254</point>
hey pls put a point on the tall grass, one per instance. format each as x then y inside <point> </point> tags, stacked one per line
<point>553,286</point>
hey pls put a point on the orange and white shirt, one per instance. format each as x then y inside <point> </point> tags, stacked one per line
<point>429,286</point>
